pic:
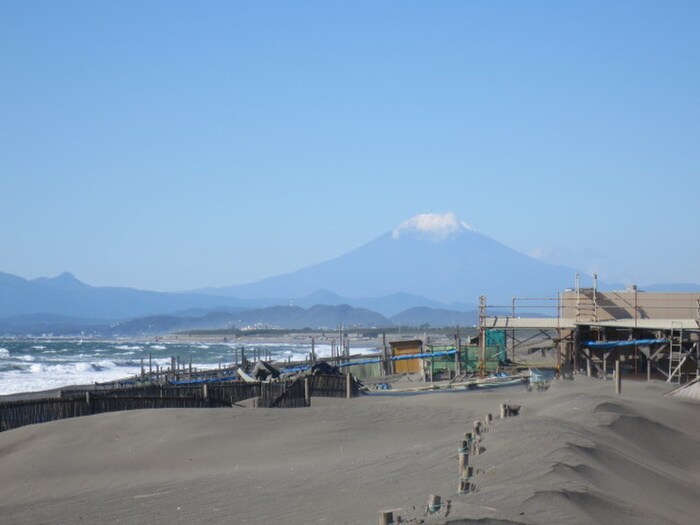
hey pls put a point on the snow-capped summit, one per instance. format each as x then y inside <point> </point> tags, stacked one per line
<point>434,226</point>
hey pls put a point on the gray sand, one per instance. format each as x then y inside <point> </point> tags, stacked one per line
<point>577,454</point>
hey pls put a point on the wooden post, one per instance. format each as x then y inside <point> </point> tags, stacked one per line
<point>458,355</point>
<point>476,446</point>
<point>482,336</point>
<point>87,398</point>
<point>504,411</point>
<point>488,419</point>
<point>465,484</point>
<point>430,348</point>
<point>348,385</point>
<point>313,351</point>
<point>476,428</point>
<point>618,377</point>
<point>143,370</point>
<point>307,392</point>
<point>434,503</point>
<point>588,366</point>
<point>463,463</point>
<point>386,517</point>
<point>605,365</point>
<point>649,365</point>
<point>150,363</point>
<point>385,356</point>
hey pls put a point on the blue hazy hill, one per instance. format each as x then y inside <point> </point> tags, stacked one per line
<point>67,296</point>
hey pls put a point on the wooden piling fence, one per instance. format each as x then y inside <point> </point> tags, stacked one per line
<point>83,402</point>
<point>333,386</point>
<point>16,414</point>
<point>281,395</point>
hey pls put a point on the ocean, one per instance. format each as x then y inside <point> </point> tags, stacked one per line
<point>35,365</point>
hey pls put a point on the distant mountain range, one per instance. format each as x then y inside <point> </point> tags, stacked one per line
<point>63,305</point>
<point>323,317</point>
<point>65,295</point>
<point>429,270</point>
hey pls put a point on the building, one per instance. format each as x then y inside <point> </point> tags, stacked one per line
<point>410,347</point>
<point>649,332</point>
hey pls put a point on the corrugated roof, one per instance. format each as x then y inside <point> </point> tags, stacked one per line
<point>648,324</point>
<point>539,323</point>
<point>548,323</point>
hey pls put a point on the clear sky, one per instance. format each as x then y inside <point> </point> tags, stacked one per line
<point>176,145</point>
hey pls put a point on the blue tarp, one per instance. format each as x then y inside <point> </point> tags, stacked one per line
<point>375,360</point>
<point>295,369</point>
<point>631,342</point>
<point>539,376</point>
<point>363,362</point>
<point>429,354</point>
<point>229,377</point>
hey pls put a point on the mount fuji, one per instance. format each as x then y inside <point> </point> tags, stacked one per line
<point>435,256</point>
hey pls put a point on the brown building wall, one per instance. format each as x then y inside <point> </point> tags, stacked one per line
<point>630,305</point>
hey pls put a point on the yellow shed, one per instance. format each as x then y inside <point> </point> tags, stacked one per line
<point>406,366</point>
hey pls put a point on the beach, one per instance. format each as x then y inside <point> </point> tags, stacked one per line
<point>576,454</point>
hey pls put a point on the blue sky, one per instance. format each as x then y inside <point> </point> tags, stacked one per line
<point>176,145</point>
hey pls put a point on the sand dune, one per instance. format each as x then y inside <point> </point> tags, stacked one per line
<point>577,454</point>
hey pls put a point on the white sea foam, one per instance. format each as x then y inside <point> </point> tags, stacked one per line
<point>45,376</point>
<point>4,352</point>
<point>39,347</point>
<point>37,368</point>
<point>159,347</point>
<point>127,347</point>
